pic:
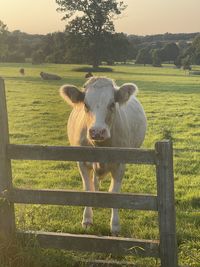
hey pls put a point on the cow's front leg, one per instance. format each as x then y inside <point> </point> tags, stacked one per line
<point>96,181</point>
<point>88,185</point>
<point>115,187</point>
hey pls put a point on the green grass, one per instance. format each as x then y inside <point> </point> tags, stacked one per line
<point>37,115</point>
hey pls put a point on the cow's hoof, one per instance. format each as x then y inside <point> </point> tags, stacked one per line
<point>87,225</point>
<point>115,229</point>
<point>115,234</point>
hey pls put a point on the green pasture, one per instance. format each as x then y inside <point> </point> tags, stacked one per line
<point>38,115</point>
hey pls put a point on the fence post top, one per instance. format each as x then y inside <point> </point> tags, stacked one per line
<point>165,141</point>
<point>168,144</point>
<point>164,150</point>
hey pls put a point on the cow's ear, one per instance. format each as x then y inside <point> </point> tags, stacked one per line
<point>71,94</point>
<point>124,92</point>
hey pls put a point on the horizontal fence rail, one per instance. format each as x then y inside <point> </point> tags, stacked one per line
<point>77,198</point>
<point>89,154</point>
<point>105,244</point>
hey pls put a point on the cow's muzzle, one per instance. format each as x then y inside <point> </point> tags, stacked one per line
<point>98,134</point>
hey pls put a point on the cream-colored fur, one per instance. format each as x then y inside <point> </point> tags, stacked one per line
<point>124,125</point>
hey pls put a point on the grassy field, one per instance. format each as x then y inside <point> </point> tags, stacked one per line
<point>37,115</point>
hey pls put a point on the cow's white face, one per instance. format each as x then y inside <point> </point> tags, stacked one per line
<point>99,102</point>
<point>99,105</point>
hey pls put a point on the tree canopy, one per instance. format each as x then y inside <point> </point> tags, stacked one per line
<point>68,47</point>
<point>144,56</point>
<point>3,27</point>
<point>196,49</point>
<point>170,52</point>
<point>91,19</point>
<point>3,39</point>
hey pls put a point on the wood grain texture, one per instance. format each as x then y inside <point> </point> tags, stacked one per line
<point>105,244</point>
<point>7,218</point>
<point>89,154</point>
<point>166,204</point>
<point>77,198</point>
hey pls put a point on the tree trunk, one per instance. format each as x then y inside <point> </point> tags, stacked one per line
<point>96,60</point>
<point>95,63</point>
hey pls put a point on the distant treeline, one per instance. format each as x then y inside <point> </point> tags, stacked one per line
<point>62,47</point>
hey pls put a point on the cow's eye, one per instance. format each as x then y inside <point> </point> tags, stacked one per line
<point>111,106</point>
<point>87,109</point>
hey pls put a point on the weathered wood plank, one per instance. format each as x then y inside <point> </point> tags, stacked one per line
<point>77,198</point>
<point>7,219</point>
<point>111,245</point>
<point>90,154</point>
<point>166,204</point>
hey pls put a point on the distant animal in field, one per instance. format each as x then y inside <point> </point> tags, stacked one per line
<point>104,115</point>
<point>49,76</point>
<point>88,75</point>
<point>22,71</point>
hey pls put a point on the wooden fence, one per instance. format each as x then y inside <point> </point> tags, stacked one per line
<point>162,157</point>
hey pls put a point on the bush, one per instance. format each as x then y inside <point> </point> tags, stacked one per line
<point>16,57</point>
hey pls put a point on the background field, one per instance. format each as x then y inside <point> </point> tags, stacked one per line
<point>37,115</point>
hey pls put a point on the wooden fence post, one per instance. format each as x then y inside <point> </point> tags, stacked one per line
<point>166,205</point>
<point>7,217</point>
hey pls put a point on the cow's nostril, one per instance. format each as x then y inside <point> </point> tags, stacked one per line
<point>92,132</point>
<point>97,134</point>
<point>103,132</point>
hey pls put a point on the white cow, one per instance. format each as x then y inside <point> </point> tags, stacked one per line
<point>108,116</point>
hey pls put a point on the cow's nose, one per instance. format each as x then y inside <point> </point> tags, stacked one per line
<point>97,134</point>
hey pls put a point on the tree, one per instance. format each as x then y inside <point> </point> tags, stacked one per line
<point>54,47</point>
<point>156,58</point>
<point>116,48</point>
<point>3,39</point>
<point>78,50</point>
<point>170,52</point>
<point>186,63</point>
<point>196,49</point>
<point>178,61</point>
<point>38,57</point>
<point>144,56</point>
<point>92,19</point>
<point>3,27</point>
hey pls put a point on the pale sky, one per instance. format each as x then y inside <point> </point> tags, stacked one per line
<point>142,17</point>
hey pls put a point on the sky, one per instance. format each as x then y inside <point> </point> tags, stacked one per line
<point>142,17</point>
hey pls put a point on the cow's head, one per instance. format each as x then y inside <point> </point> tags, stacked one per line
<point>99,100</point>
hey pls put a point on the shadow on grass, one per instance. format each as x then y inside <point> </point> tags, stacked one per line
<point>79,81</point>
<point>91,69</point>
<point>26,252</point>
<point>195,202</point>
